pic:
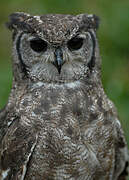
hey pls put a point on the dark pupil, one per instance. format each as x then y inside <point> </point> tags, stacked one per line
<point>75,43</point>
<point>38,45</point>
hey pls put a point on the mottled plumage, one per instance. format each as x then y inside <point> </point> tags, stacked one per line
<point>58,123</point>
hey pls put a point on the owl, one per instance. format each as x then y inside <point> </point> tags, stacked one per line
<point>58,123</point>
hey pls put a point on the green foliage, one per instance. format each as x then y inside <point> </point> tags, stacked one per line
<point>113,40</point>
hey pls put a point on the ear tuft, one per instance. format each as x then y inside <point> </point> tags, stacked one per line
<point>90,21</point>
<point>17,20</point>
<point>95,21</point>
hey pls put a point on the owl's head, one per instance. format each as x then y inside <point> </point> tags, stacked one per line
<point>54,48</point>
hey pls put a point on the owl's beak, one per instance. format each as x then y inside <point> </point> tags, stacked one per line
<point>58,59</point>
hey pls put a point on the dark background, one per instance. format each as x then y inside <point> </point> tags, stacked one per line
<point>113,38</point>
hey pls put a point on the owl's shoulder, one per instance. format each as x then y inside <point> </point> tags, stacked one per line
<point>3,122</point>
<point>17,146</point>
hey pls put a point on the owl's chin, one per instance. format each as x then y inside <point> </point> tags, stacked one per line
<point>59,79</point>
<point>54,80</point>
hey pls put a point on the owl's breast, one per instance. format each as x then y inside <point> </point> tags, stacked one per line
<point>61,117</point>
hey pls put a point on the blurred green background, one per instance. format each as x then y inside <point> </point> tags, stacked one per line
<point>113,38</point>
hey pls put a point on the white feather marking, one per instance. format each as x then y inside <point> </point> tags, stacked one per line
<point>90,16</point>
<point>118,122</point>
<point>73,84</point>
<point>9,123</point>
<point>38,19</point>
<point>33,114</point>
<point>39,84</point>
<point>68,84</point>
<point>5,174</point>
<point>28,158</point>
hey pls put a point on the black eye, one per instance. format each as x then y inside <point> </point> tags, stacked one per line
<point>75,43</point>
<point>38,45</point>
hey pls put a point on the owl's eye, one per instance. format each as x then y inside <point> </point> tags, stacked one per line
<point>38,45</point>
<point>75,43</point>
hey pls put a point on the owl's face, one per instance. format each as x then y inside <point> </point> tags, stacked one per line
<point>54,48</point>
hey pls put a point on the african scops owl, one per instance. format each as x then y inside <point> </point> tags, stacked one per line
<point>58,123</point>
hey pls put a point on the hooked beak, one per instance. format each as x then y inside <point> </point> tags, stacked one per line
<point>58,59</point>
